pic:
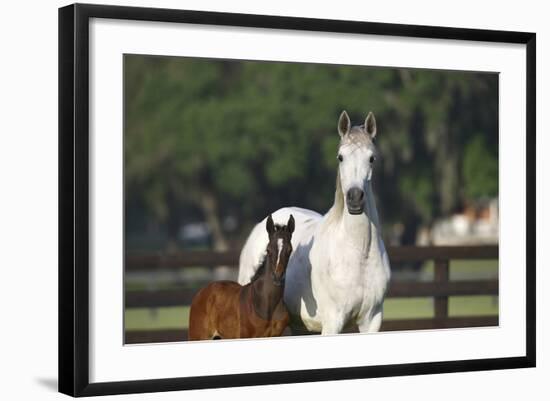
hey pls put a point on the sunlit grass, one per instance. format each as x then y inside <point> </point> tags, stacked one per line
<point>408,308</point>
<point>464,270</point>
<point>157,318</point>
<point>477,305</point>
<point>394,308</point>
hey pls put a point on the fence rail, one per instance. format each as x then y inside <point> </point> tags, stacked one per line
<point>136,261</point>
<point>441,288</point>
<point>144,299</point>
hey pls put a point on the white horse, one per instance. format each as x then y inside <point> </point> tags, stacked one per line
<point>339,271</point>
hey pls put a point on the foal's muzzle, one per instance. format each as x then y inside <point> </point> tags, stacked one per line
<point>355,200</point>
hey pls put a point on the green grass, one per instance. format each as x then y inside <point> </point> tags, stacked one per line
<point>479,305</point>
<point>407,308</point>
<point>417,308</point>
<point>157,318</point>
<point>394,308</point>
<point>464,270</point>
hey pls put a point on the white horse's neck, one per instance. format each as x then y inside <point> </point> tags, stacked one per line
<point>362,231</point>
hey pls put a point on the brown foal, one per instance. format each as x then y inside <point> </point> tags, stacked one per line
<point>225,309</point>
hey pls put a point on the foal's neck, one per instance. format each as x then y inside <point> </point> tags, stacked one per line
<point>265,294</point>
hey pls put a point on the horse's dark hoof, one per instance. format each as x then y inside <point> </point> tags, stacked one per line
<point>216,338</point>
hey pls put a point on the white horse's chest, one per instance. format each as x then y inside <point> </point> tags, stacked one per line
<point>349,279</point>
<point>331,280</point>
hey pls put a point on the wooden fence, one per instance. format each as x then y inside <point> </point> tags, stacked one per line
<point>441,288</point>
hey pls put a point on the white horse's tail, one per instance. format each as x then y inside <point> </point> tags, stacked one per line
<point>255,246</point>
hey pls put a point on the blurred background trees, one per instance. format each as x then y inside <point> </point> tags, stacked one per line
<point>219,144</point>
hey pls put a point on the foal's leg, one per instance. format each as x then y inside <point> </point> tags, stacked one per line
<point>199,321</point>
<point>198,324</point>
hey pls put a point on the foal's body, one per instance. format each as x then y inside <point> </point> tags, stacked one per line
<point>219,301</point>
<point>225,309</point>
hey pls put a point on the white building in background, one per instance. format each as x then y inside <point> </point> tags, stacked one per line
<point>476,225</point>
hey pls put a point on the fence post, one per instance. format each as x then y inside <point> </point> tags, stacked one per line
<point>441,275</point>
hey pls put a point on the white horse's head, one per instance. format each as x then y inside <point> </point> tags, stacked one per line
<point>356,156</point>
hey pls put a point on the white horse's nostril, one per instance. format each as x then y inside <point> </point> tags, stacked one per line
<point>355,195</point>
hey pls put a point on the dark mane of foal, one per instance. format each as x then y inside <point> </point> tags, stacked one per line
<point>260,270</point>
<point>263,262</point>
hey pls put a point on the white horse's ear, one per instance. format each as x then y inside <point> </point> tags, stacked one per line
<point>270,226</point>
<point>290,224</point>
<point>370,125</point>
<point>344,124</point>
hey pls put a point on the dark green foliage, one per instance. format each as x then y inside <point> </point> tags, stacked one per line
<point>480,170</point>
<point>205,139</point>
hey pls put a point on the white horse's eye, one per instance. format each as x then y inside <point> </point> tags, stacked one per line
<point>340,157</point>
<point>372,159</point>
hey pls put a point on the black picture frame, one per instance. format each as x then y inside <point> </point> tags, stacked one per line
<point>74,198</point>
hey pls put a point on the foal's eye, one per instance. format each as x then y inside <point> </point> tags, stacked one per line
<point>372,159</point>
<point>340,158</point>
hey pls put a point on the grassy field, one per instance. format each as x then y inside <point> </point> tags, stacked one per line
<point>465,270</point>
<point>394,308</point>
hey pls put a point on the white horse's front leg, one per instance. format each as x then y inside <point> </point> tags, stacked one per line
<point>332,324</point>
<point>373,324</point>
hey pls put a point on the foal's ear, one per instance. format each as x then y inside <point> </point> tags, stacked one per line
<point>370,125</point>
<point>290,224</point>
<point>270,226</point>
<point>344,124</point>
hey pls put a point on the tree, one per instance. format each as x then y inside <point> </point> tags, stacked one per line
<point>245,138</point>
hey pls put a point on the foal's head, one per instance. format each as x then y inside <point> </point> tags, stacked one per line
<point>279,248</point>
